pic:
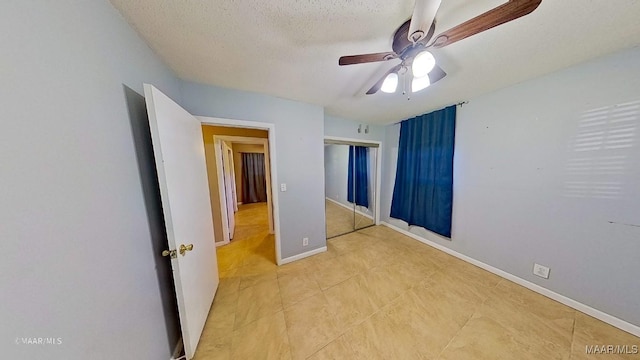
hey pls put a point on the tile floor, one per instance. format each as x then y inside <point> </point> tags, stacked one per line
<point>377,294</point>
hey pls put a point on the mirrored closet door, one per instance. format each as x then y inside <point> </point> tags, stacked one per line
<point>350,186</point>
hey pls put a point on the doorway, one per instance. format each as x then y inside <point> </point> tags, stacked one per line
<point>241,222</point>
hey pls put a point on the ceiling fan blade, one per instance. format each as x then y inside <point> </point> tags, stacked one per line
<point>436,74</point>
<point>492,18</point>
<point>376,87</point>
<point>366,58</point>
<point>424,13</point>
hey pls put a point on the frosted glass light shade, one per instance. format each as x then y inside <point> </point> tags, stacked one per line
<point>420,83</point>
<point>423,64</point>
<point>390,83</point>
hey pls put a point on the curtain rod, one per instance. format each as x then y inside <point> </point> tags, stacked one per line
<point>457,104</point>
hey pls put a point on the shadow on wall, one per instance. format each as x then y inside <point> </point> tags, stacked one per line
<point>601,151</point>
<point>151,190</point>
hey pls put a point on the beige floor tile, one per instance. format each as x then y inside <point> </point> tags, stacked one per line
<point>549,338</point>
<point>459,286</point>
<point>371,339</point>
<point>221,318</point>
<point>230,259</point>
<point>331,252</point>
<point>483,338</point>
<point>408,273</point>
<point>350,242</point>
<point>297,287</point>
<point>380,285</point>
<point>590,331</point>
<point>256,273</point>
<point>229,283</point>
<point>256,302</point>
<point>214,348</point>
<point>523,310</point>
<point>377,294</point>
<point>430,316</point>
<point>369,257</point>
<point>263,339</point>
<point>311,326</point>
<point>338,349</point>
<point>306,265</point>
<point>399,331</point>
<point>332,271</point>
<point>350,303</point>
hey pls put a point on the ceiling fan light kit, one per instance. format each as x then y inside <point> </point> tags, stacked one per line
<point>390,83</point>
<point>423,64</point>
<point>420,83</point>
<point>411,42</point>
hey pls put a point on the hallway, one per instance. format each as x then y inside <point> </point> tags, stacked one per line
<point>252,245</point>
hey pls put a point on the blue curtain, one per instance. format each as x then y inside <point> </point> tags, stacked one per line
<point>358,176</point>
<point>254,183</point>
<point>423,192</point>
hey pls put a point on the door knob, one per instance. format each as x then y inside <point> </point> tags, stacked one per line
<point>184,248</point>
<point>171,253</point>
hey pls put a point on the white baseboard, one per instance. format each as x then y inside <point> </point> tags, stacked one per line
<point>609,319</point>
<point>350,208</point>
<point>220,243</point>
<point>303,255</point>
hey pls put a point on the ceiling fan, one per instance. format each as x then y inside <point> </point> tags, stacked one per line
<point>412,40</point>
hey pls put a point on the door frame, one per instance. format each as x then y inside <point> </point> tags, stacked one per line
<point>221,151</point>
<point>378,145</point>
<point>218,139</point>
<point>273,166</point>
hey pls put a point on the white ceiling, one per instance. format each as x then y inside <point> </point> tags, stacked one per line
<point>290,48</point>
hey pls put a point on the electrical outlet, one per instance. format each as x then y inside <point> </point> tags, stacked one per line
<point>540,270</point>
<point>305,241</point>
<point>283,187</point>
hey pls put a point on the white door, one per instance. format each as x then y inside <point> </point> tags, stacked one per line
<point>233,180</point>
<point>229,183</point>
<point>182,175</point>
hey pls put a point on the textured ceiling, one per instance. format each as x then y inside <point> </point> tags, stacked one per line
<point>290,48</point>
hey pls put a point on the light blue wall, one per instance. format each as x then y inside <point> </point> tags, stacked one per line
<point>299,132</point>
<point>548,171</point>
<point>79,227</point>
<point>341,127</point>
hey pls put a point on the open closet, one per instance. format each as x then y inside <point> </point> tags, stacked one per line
<point>351,185</point>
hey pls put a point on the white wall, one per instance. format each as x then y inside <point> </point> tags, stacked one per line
<point>299,142</point>
<point>547,171</point>
<point>80,221</point>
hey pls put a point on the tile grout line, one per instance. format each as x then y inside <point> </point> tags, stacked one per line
<point>469,319</point>
<point>286,326</point>
<point>573,334</point>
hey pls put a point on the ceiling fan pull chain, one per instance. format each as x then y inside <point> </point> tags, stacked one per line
<point>404,86</point>
<point>404,83</point>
